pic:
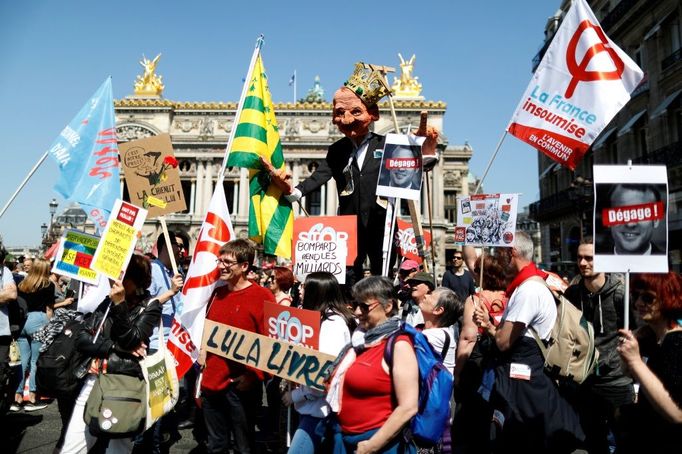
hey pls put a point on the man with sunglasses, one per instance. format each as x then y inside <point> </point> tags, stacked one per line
<point>232,392</point>
<point>600,297</point>
<point>458,279</point>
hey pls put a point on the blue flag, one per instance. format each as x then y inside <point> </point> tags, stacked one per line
<point>87,154</point>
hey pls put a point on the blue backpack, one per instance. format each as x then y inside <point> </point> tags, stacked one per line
<point>435,387</point>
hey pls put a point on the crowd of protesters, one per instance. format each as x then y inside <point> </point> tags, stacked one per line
<point>479,322</point>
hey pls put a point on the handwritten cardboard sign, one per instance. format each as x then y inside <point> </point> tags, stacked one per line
<point>298,326</point>
<point>486,220</point>
<point>118,240</point>
<point>152,175</point>
<point>324,243</point>
<point>74,256</point>
<point>286,360</point>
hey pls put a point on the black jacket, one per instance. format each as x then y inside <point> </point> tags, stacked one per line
<point>605,310</point>
<point>124,329</point>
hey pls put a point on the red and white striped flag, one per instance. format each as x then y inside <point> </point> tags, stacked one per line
<point>202,278</point>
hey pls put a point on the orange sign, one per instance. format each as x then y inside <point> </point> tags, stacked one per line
<point>298,326</point>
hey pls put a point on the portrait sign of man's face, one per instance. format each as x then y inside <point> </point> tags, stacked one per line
<point>632,238</point>
<point>351,115</point>
<point>404,168</point>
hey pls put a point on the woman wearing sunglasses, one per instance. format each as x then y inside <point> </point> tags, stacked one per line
<point>373,404</point>
<point>656,420</point>
<point>280,281</point>
<point>320,292</point>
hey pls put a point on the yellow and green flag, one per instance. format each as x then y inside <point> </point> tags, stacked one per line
<point>271,218</point>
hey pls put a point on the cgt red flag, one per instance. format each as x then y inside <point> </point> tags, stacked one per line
<point>407,243</point>
<point>202,279</point>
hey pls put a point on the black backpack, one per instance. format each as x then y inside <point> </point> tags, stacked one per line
<point>59,368</point>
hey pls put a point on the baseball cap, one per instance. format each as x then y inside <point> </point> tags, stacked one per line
<point>409,265</point>
<point>423,277</point>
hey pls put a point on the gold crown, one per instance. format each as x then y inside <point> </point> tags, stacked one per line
<point>368,82</point>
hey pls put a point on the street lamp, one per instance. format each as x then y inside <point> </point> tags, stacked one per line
<point>43,230</point>
<point>53,209</point>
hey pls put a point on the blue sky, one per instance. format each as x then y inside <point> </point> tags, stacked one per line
<point>475,56</point>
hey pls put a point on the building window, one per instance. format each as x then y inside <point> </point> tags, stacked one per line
<point>313,202</point>
<point>641,140</point>
<point>187,194</point>
<point>228,187</point>
<point>450,205</point>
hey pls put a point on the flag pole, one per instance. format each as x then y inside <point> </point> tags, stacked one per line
<point>23,183</point>
<point>240,106</point>
<point>295,82</point>
<point>490,163</point>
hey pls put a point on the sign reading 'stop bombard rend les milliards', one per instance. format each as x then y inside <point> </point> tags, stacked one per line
<point>486,220</point>
<point>582,82</point>
<point>630,219</point>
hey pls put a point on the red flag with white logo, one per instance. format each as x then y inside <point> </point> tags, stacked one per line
<point>407,243</point>
<point>582,82</point>
<point>202,278</point>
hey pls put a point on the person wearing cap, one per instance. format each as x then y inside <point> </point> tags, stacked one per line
<point>421,284</point>
<point>407,269</point>
<point>354,162</point>
<point>458,279</point>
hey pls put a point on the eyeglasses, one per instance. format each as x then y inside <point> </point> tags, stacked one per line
<point>364,307</point>
<point>226,263</point>
<point>647,298</point>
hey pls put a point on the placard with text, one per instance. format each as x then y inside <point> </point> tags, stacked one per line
<point>291,324</point>
<point>74,256</point>
<point>486,220</point>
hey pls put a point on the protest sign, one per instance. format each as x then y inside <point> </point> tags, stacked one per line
<point>286,360</point>
<point>582,82</point>
<point>298,326</point>
<point>630,219</point>
<point>407,243</point>
<point>74,256</point>
<point>400,174</point>
<point>486,220</point>
<point>118,240</point>
<point>152,175</point>
<point>324,243</point>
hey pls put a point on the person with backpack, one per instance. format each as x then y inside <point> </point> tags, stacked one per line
<point>321,292</point>
<point>373,403</point>
<point>529,414</point>
<point>39,293</point>
<point>600,398</point>
<point>116,336</point>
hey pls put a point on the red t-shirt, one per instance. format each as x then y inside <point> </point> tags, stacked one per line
<point>242,309</point>
<point>367,398</point>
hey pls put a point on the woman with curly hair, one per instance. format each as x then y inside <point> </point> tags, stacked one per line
<point>655,424</point>
<point>39,292</point>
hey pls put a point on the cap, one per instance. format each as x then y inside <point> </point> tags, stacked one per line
<point>409,265</point>
<point>423,277</point>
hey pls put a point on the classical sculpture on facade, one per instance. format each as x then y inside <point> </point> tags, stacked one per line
<point>149,83</point>
<point>316,93</point>
<point>406,86</point>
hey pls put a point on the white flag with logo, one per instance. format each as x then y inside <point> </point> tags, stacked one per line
<point>202,278</point>
<point>582,82</point>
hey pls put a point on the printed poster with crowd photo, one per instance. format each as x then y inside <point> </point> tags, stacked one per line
<point>630,219</point>
<point>400,174</point>
<point>486,220</point>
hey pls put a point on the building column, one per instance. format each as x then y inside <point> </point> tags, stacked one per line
<point>199,189</point>
<point>235,196</point>
<point>192,197</point>
<point>243,210</point>
<point>332,198</point>
<point>208,186</point>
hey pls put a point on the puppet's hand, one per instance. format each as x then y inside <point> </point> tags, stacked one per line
<point>280,177</point>
<point>429,153</point>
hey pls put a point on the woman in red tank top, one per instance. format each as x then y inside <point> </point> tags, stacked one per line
<point>372,404</point>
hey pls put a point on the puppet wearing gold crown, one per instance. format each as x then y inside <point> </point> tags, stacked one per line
<point>354,162</point>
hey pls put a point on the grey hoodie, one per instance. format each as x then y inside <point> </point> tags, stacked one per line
<point>604,309</point>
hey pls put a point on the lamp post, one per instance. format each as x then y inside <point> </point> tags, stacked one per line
<point>53,209</point>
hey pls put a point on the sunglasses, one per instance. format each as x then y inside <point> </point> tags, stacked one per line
<point>647,298</point>
<point>364,307</point>
<point>457,258</point>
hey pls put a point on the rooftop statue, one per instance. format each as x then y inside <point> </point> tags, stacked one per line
<point>407,86</point>
<point>316,93</point>
<point>149,84</point>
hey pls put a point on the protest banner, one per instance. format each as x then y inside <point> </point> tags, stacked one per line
<point>324,243</point>
<point>582,82</point>
<point>74,256</point>
<point>486,220</point>
<point>290,324</point>
<point>400,174</point>
<point>406,242</point>
<point>630,219</point>
<point>152,176</point>
<point>291,362</point>
<point>118,240</point>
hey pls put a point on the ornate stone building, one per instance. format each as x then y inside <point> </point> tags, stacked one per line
<point>199,133</point>
<point>648,130</point>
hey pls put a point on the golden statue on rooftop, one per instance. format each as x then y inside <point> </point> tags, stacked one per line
<point>149,84</point>
<point>406,86</point>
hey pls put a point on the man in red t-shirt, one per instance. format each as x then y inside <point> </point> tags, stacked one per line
<point>231,392</point>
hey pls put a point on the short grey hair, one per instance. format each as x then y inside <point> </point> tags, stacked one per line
<point>524,245</point>
<point>378,287</point>
<point>453,307</point>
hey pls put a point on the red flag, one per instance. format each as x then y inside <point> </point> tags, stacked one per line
<point>407,243</point>
<point>202,278</point>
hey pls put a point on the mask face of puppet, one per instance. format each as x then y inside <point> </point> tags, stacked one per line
<point>351,115</point>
